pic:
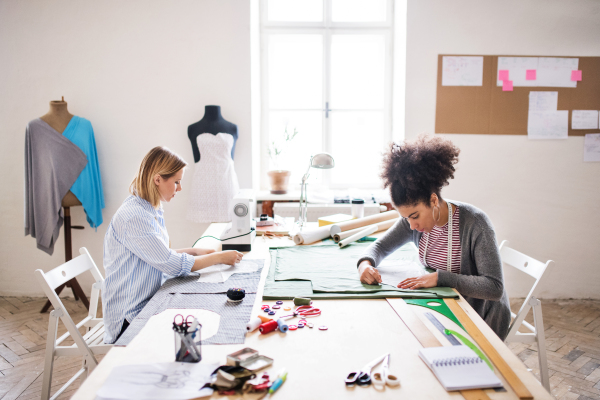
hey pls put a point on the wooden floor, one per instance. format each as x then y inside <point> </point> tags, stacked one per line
<point>572,335</point>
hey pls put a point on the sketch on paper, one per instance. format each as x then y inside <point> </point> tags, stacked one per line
<point>591,148</point>
<point>462,71</point>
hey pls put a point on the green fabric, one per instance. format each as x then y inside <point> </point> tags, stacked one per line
<point>328,272</point>
<point>442,308</point>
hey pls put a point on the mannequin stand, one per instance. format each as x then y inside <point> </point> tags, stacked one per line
<point>73,284</point>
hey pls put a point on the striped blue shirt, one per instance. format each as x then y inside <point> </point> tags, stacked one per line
<point>137,260</point>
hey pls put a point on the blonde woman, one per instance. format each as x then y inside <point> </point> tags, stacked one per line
<point>137,253</point>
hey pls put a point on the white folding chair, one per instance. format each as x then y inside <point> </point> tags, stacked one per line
<point>535,269</point>
<point>92,342</point>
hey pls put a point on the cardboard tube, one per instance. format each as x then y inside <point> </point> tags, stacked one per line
<point>363,222</point>
<point>359,235</point>
<point>312,235</point>
<point>382,226</point>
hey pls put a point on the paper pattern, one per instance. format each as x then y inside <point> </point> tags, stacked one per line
<point>591,148</point>
<point>548,124</point>
<point>395,271</point>
<point>166,381</point>
<point>538,71</point>
<point>584,119</point>
<point>221,272</point>
<point>462,71</point>
<point>543,101</point>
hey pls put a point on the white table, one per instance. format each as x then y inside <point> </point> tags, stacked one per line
<point>318,361</point>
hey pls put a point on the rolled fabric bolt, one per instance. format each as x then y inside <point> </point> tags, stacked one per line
<point>312,235</point>
<point>302,301</point>
<point>253,324</point>
<point>356,236</point>
<point>381,226</point>
<point>362,222</point>
<point>268,327</point>
<point>265,319</point>
<point>282,325</point>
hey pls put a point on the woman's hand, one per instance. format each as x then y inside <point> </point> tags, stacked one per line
<point>368,274</point>
<point>425,281</point>
<point>230,257</point>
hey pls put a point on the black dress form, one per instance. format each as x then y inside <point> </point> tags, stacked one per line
<point>213,123</point>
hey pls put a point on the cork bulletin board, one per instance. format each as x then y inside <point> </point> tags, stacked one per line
<point>487,109</point>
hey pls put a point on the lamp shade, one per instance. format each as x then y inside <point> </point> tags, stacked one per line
<point>322,161</point>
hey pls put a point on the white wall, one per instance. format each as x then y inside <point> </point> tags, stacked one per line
<point>539,194</point>
<point>141,72</point>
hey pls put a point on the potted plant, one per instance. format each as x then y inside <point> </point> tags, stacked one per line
<point>278,177</point>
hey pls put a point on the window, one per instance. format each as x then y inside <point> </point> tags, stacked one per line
<point>326,71</point>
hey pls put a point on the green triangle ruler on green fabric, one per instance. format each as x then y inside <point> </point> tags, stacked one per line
<point>435,305</point>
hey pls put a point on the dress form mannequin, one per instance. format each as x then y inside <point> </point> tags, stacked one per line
<point>214,123</point>
<point>58,117</point>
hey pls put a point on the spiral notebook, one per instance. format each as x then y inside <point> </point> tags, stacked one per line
<point>459,368</point>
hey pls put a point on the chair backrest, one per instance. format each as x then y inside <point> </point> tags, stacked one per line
<point>50,280</point>
<point>526,264</point>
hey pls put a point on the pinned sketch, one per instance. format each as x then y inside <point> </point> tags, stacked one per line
<point>393,272</point>
<point>548,124</point>
<point>556,72</point>
<point>543,101</point>
<point>517,68</point>
<point>584,119</point>
<point>462,71</point>
<point>221,272</point>
<point>169,381</point>
<point>591,148</point>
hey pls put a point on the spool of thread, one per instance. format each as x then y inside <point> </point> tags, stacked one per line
<point>265,319</point>
<point>282,325</point>
<point>302,301</point>
<point>268,327</point>
<point>236,294</point>
<point>253,324</point>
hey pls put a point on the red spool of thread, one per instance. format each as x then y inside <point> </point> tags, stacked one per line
<point>268,327</point>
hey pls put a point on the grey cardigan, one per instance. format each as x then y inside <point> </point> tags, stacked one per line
<point>480,280</point>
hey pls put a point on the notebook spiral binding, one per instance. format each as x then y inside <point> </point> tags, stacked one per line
<point>457,361</point>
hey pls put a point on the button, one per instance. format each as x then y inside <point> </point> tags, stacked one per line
<point>310,325</point>
<point>287,308</point>
<point>279,302</point>
<point>271,312</point>
<point>264,306</point>
<point>323,328</point>
<point>303,321</point>
<point>292,327</point>
<point>266,310</point>
<point>300,325</point>
<point>276,307</point>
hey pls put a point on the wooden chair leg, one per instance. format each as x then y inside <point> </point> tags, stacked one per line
<point>540,338</point>
<point>49,361</point>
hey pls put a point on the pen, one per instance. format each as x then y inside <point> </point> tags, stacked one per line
<point>278,382</point>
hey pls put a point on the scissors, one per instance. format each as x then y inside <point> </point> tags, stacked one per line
<point>382,378</point>
<point>184,324</point>
<point>304,311</point>
<point>363,377</point>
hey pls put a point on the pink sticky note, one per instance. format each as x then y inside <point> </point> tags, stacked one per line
<point>507,86</point>
<point>503,75</point>
<point>530,74</point>
<point>576,75</point>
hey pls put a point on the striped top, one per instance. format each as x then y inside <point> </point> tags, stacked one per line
<point>437,247</point>
<point>137,259</point>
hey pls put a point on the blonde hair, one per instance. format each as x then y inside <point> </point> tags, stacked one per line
<point>162,161</point>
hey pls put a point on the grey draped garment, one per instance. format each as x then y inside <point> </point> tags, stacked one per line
<point>52,165</point>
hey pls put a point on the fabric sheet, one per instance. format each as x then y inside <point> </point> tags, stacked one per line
<point>88,186</point>
<point>186,292</point>
<point>326,271</point>
<point>52,165</point>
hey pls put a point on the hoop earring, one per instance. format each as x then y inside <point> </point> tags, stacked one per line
<point>433,214</point>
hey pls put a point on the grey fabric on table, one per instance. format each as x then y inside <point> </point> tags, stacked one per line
<point>186,292</point>
<point>52,164</point>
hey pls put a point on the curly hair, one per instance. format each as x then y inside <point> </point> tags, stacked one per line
<point>415,170</point>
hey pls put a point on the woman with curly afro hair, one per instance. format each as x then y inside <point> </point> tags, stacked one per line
<point>455,239</point>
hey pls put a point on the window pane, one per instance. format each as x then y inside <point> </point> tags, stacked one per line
<point>295,10</point>
<point>357,71</point>
<point>296,154</point>
<point>357,145</point>
<point>295,71</point>
<point>358,10</point>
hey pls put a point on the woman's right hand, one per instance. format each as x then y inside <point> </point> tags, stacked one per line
<point>368,274</point>
<point>231,257</point>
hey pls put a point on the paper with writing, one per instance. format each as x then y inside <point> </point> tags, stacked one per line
<point>591,148</point>
<point>462,71</point>
<point>584,119</point>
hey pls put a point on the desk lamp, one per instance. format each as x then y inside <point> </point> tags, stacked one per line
<point>321,161</point>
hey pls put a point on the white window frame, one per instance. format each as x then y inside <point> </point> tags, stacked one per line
<point>326,28</point>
